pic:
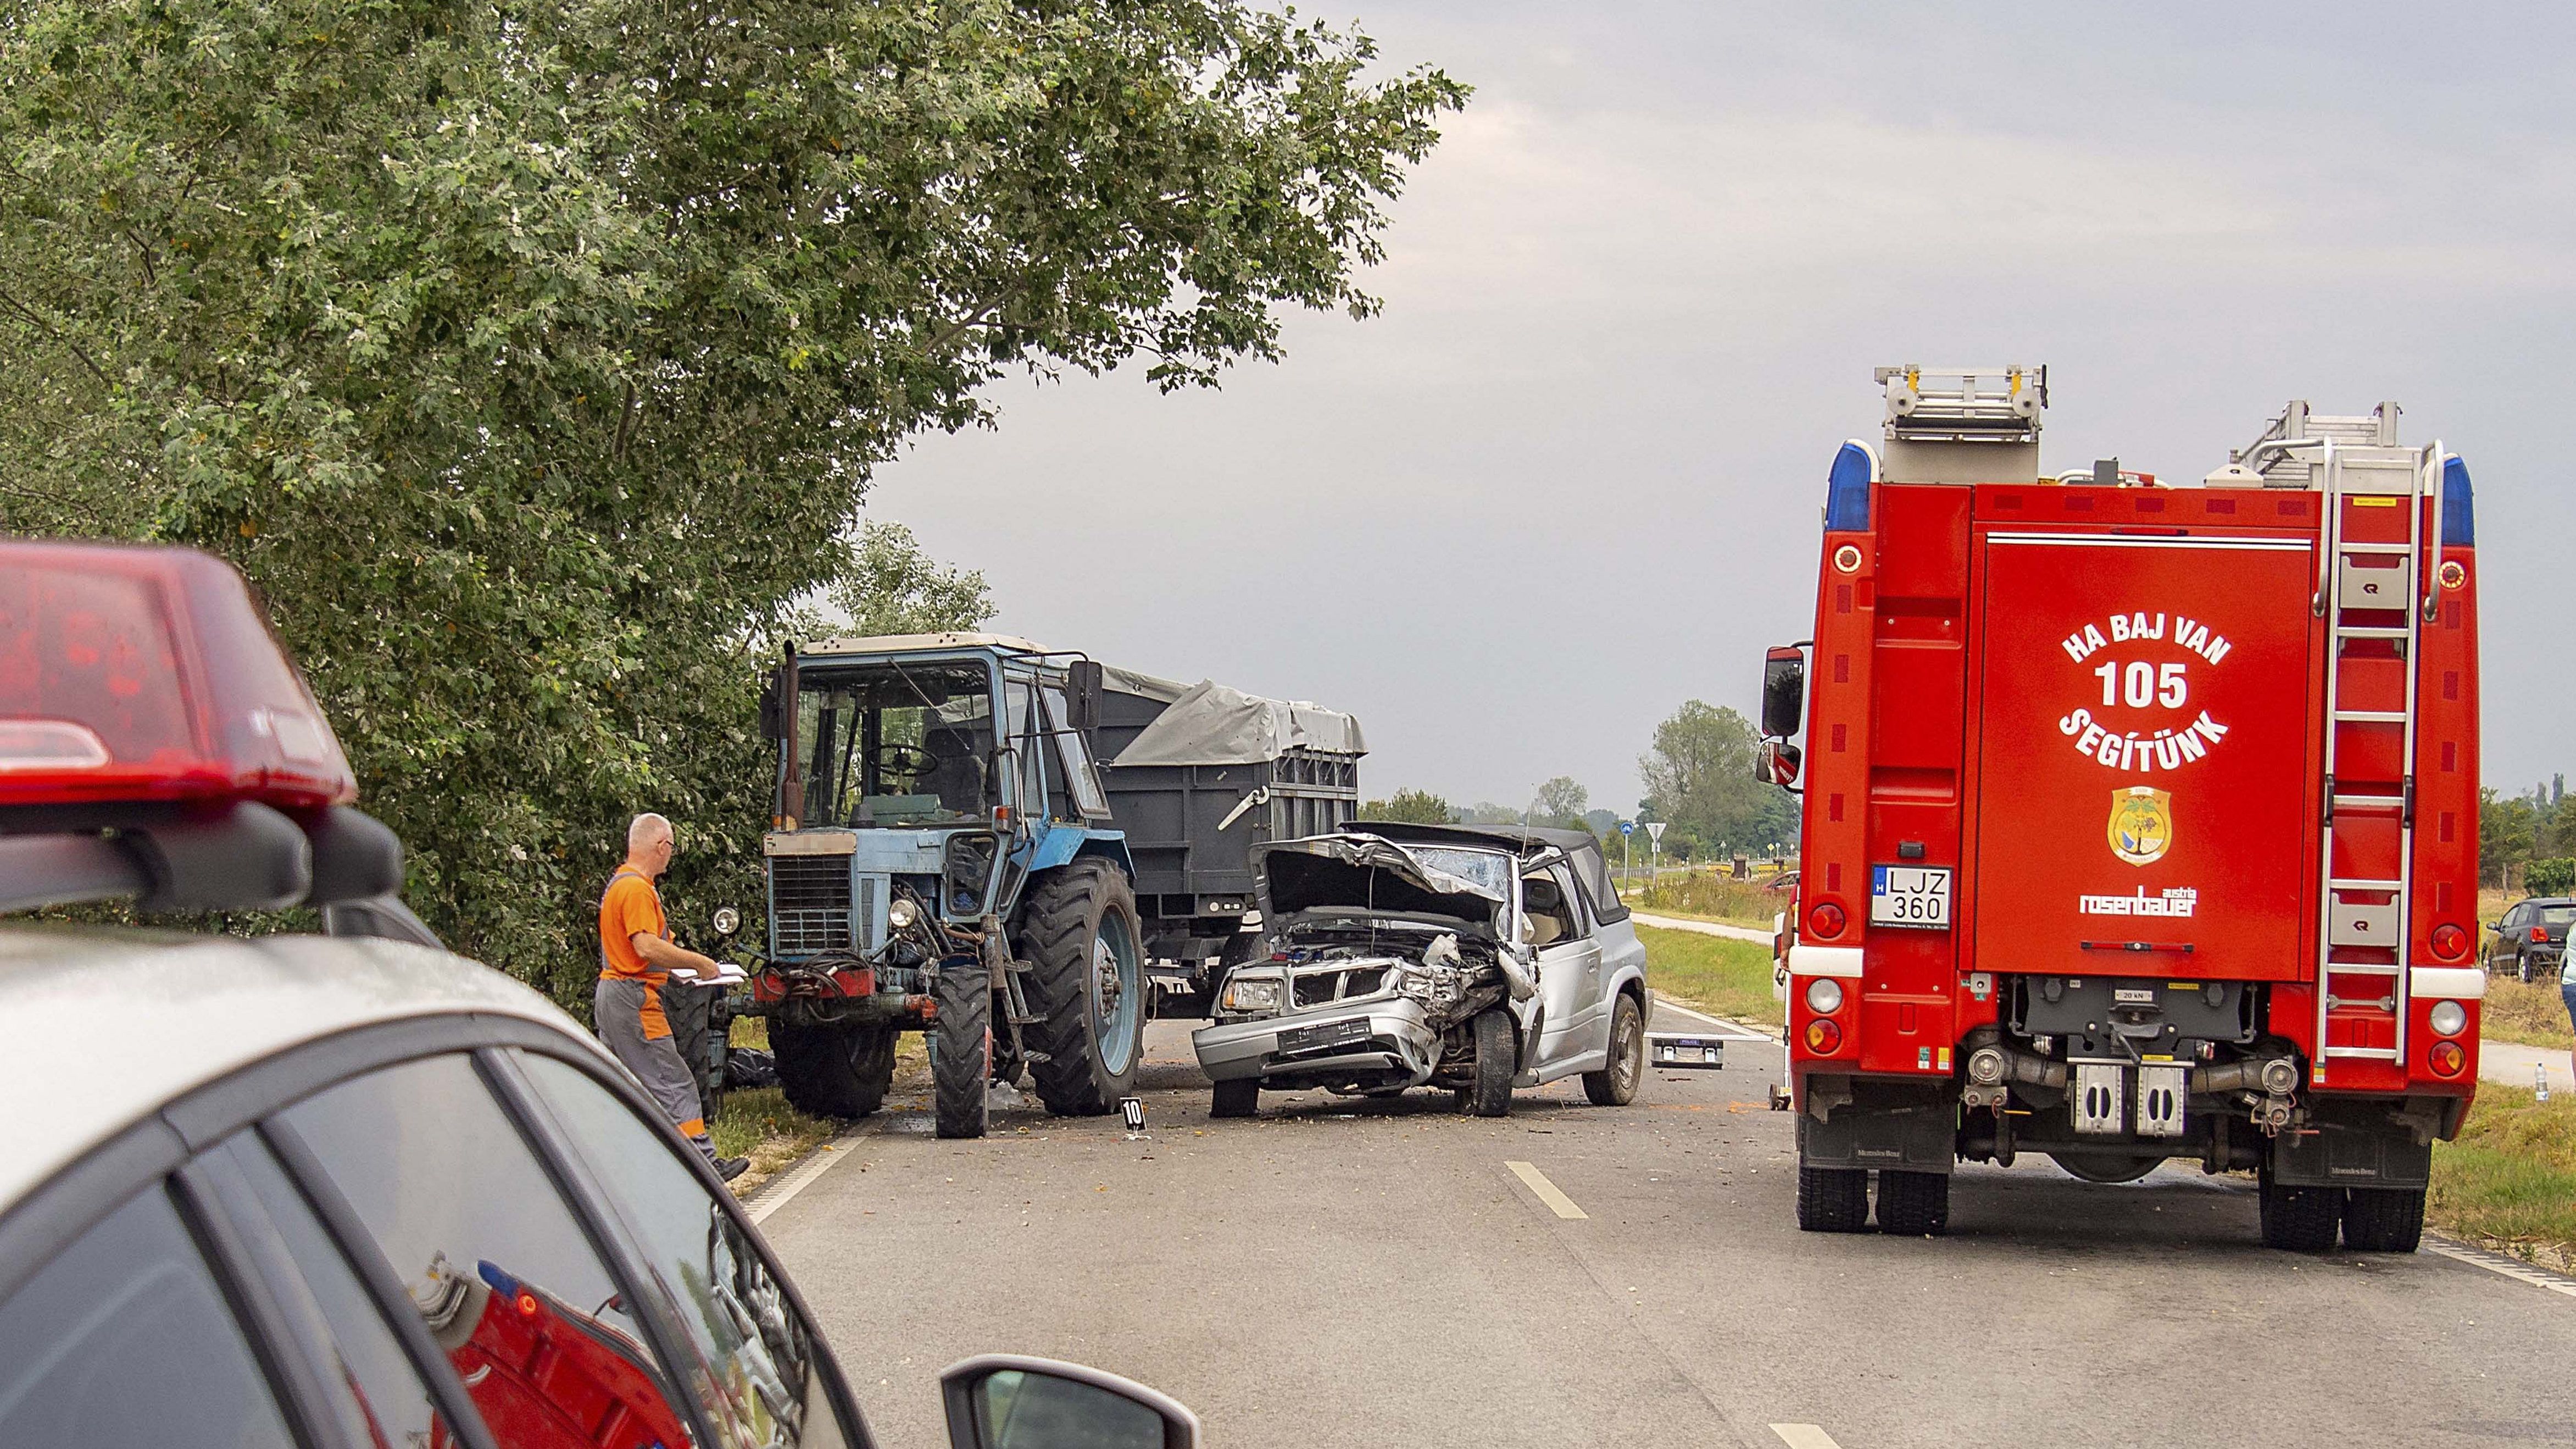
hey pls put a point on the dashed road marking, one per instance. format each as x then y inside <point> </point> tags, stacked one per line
<point>2498,1263</point>
<point>1804,1436</point>
<point>1546,1191</point>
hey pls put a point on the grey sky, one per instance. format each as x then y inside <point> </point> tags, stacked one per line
<point>1571,478</point>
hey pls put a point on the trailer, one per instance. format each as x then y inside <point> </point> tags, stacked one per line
<point>1197,776</point>
<point>2139,820</point>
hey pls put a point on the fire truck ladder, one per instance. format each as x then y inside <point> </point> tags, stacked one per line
<point>2366,591</point>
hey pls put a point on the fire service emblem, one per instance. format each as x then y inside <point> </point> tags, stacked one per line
<point>2141,823</point>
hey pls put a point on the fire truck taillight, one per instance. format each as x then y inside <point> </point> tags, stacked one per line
<point>2447,1058</point>
<point>150,674</point>
<point>1824,1038</point>
<point>1826,920</point>
<point>2450,942</point>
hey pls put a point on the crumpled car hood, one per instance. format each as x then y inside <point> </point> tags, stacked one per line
<point>1364,873</point>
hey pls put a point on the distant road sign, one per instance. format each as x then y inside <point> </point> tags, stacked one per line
<point>1655,831</point>
<point>1627,827</point>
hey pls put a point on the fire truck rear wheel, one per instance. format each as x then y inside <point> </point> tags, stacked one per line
<point>2299,1219</point>
<point>961,1050</point>
<point>2383,1220</point>
<point>832,1071</point>
<point>1832,1199</point>
<point>1913,1204</point>
<point>1086,986</point>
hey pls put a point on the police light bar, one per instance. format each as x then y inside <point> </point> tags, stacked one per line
<point>131,674</point>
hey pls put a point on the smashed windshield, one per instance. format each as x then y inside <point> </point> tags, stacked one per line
<point>887,743</point>
<point>1488,868</point>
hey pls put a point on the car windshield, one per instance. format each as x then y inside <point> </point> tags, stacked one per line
<point>883,743</point>
<point>1491,869</point>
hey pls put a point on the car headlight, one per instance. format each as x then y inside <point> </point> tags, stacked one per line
<point>1256,994</point>
<point>1824,996</point>
<point>902,914</point>
<point>2449,1017</point>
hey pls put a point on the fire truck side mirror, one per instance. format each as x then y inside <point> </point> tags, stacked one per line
<point>1776,761</point>
<point>1784,691</point>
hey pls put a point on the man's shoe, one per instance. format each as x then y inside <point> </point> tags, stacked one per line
<point>730,1168</point>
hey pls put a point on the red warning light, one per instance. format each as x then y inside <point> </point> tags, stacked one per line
<point>134,673</point>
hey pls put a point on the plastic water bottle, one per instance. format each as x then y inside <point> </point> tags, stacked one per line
<point>2540,1081</point>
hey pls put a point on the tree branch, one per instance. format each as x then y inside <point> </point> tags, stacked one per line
<point>40,324</point>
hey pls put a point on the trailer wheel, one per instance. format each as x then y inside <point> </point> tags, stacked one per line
<point>1491,1094</point>
<point>2299,1219</point>
<point>1615,1085</point>
<point>1240,1097</point>
<point>832,1071</point>
<point>2383,1219</point>
<point>1913,1204</point>
<point>961,1049</point>
<point>1087,987</point>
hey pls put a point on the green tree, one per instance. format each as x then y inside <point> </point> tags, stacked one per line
<point>2508,829</point>
<point>1419,807</point>
<point>892,585</point>
<point>1699,775</point>
<point>1560,801</point>
<point>532,356</point>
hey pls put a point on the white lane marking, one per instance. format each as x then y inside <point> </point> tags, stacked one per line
<point>1733,1030</point>
<point>774,1194</point>
<point>1804,1436</point>
<point>1546,1191</point>
<point>2498,1263</point>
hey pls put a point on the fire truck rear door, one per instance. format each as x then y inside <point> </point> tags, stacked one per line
<point>2144,755</point>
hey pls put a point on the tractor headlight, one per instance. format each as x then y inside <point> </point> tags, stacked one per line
<point>1255,993</point>
<point>1824,996</point>
<point>2449,1017</point>
<point>902,914</point>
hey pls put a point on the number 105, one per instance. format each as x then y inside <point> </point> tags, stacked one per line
<point>2143,684</point>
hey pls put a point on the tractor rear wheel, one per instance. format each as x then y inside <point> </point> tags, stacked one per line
<point>2299,1219</point>
<point>2383,1219</point>
<point>1086,987</point>
<point>832,1071</point>
<point>961,1049</point>
<point>1913,1204</point>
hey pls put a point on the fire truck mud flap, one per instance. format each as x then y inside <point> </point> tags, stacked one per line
<point>2357,1143</point>
<point>1917,1136</point>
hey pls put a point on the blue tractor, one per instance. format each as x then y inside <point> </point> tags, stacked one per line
<point>944,859</point>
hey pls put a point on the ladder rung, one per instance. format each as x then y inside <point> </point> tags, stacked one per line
<point>2385,1054</point>
<point>2392,802</point>
<point>2375,548</point>
<point>2358,884</point>
<point>2364,968</point>
<point>2370,716</point>
<point>2371,631</point>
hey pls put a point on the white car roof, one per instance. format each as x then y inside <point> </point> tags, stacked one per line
<point>108,1026</point>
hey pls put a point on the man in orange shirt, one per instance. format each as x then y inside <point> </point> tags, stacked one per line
<point>636,956</point>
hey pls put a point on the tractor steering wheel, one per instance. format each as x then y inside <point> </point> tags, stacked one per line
<point>894,757</point>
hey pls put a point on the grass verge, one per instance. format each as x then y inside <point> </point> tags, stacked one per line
<point>759,1123</point>
<point>1708,896</point>
<point>2532,1013</point>
<point>1719,976</point>
<point>2509,1182</point>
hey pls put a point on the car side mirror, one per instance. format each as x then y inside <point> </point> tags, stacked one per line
<point>1082,688</point>
<point>1777,761</point>
<point>1784,691</point>
<point>1006,1401</point>
<point>727,920</point>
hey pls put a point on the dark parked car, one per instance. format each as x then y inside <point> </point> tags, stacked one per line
<point>2530,938</point>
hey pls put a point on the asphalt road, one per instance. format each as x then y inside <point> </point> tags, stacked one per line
<point>1374,1273</point>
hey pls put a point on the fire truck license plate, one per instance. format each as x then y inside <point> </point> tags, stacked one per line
<point>1909,895</point>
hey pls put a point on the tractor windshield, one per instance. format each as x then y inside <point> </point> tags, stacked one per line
<point>895,743</point>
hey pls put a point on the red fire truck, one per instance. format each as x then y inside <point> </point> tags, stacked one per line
<point>2140,820</point>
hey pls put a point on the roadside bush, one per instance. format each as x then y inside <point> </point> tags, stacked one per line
<point>1707,893</point>
<point>2552,876</point>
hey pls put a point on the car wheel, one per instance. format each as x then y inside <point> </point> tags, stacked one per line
<point>1615,1085</point>
<point>1491,1096</point>
<point>2383,1220</point>
<point>1238,1098</point>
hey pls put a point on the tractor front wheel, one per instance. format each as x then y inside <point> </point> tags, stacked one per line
<point>832,1071</point>
<point>961,1049</point>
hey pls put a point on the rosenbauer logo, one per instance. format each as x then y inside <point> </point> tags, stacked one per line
<point>2133,683</point>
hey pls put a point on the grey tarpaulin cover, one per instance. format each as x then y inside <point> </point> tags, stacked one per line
<point>1210,724</point>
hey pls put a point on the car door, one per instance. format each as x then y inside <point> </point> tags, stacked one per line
<point>2500,950</point>
<point>1569,978</point>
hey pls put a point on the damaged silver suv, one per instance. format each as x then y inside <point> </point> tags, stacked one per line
<point>1478,959</point>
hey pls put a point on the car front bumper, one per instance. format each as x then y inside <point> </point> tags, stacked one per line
<point>1398,1041</point>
